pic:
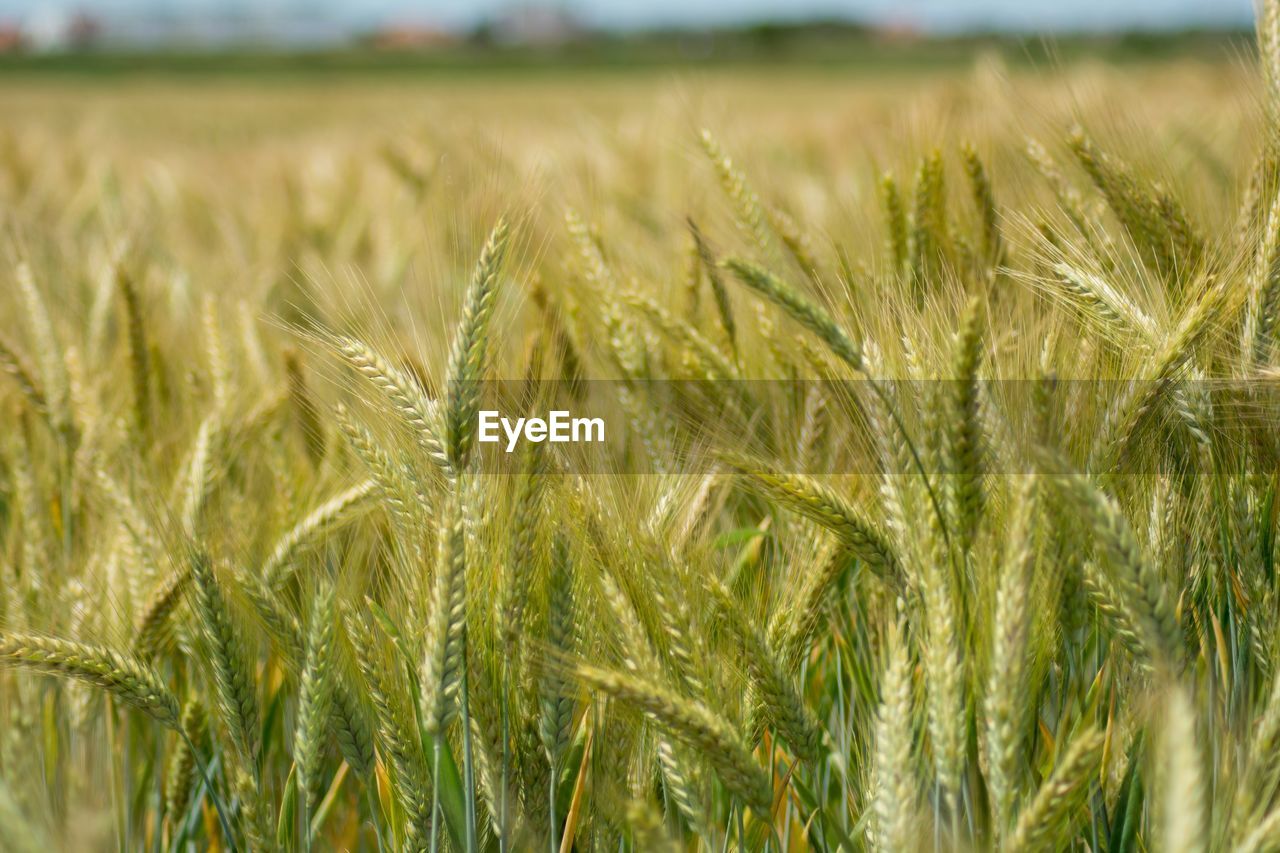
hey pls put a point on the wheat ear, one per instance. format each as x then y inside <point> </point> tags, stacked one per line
<point>305,409</point>
<point>896,810</point>
<point>315,696</point>
<point>396,482</point>
<point>984,201</point>
<point>139,351</point>
<point>517,580</point>
<point>724,308</point>
<point>693,724</point>
<point>126,678</point>
<point>53,370</point>
<point>745,202</point>
<point>815,501</point>
<point>1184,810</point>
<point>1260,775</point>
<point>275,570</point>
<point>895,216</point>
<point>467,360</point>
<point>200,475</point>
<point>781,698</point>
<point>1098,299</point>
<point>929,235</point>
<point>181,774</point>
<point>1258,334</point>
<point>14,363</point>
<point>965,439</point>
<point>806,313</point>
<point>1068,196</point>
<point>232,677</point>
<point>680,779</point>
<point>1006,698</point>
<point>405,396</point>
<point>1049,819</point>
<point>794,630</point>
<point>556,696</point>
<point>155,616</point>
<point>398,740</point>
<point>347,719</point>
<point>442,666</point>
<point>1136,580</point>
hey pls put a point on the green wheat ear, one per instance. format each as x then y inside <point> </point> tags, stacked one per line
<point>399,745</point>
<point>556,696</point>
<point>1006,699</point>
<point>316,693</point>
<point>816,501</point>
<point>746,203</point>
<point>895,215</point>
<point>233,678</point>
<point>404,395</point>
<point>156,615</point>
<point>181,775</point>
<point>1141,592</point>
<point>467,361</point>
<point>693,724</point>
<point>445,652</point>
<point>809,315</point>
<point>125,678</point>
<point>1152,216</point>
<point>965,438</point>
<point>1048,820</point>
<point>984,202</point>
<point>930,238</point>
<point>781,698</point>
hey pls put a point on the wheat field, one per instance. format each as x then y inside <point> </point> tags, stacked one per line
<point>938,510</point>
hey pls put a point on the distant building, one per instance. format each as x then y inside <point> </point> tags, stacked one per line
<point>11,39</point>
<point>410,37</point>
<point>535,24</point>
<point>52,28</point>
<point>898,31</point>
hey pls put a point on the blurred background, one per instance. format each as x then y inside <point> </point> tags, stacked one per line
<point>401,33</point>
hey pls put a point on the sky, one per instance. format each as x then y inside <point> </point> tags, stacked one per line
<point>931,14</point>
